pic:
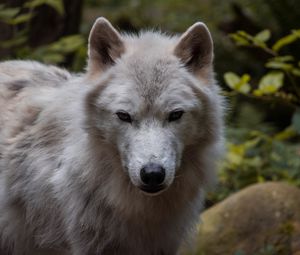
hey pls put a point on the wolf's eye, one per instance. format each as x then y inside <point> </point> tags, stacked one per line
<point>175,115</point>
<point>124,116</point>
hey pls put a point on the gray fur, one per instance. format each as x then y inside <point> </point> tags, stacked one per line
<point>69,168</point>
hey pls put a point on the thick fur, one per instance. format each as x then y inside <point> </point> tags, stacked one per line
<point>68,180</point>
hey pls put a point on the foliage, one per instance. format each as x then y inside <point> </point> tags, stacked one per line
<point>256,151</point>
<point>55,53</point>
<point>280,67</point>
<point>254,156</point>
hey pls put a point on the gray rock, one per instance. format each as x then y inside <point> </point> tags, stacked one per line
<point>261,219</point>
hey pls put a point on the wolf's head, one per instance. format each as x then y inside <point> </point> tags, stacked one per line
<point>155,99</point>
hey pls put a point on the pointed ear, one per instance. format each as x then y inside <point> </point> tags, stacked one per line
<point>105,46</point>
<point>195,49</point>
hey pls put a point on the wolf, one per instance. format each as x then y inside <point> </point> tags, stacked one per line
<point>115,160</point>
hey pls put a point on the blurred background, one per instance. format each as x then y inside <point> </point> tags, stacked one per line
<point>255,208</point>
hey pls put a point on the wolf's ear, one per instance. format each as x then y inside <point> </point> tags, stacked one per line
<point>195,48</point>
<point>105,46</point>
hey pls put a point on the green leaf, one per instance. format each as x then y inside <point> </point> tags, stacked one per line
<point>55,52</point>
<point>239,40</point>
<point>296,120</point>
<point>296,32</point>
<point>271,83</point>
<point>52,58</point>
<point>67,44</point>
<point>244,86</point>
<point>286,134</point>
<point>263,36</point>
<point>258,92</point>
<point>235,153</point>
<point>79,58</point>
<point>279,65</point>
<point>251,143</point>
<point>8,13</point>
<point>242,38</point>
<point>231,79</point>
<point>17,41</point>
<point>295,71</point>
<point>285,58</point>
<point>238,83</point>
<point>55,4</point>
<point>20,19</point>
<point>286,40</point>
<point>245,35</point>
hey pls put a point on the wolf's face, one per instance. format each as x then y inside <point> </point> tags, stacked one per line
<point>150,126</point>
<point>150,106</point>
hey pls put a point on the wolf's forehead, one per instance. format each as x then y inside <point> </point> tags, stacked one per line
<point>151,76</point>
<point>148,84</point>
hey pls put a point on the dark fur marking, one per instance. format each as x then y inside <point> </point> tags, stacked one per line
<point>61,75</point>
<point>17,85</point>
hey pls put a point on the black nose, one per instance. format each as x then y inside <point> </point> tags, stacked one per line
<point>152,176</point>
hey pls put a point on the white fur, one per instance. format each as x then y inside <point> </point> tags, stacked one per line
<point>69,168</point>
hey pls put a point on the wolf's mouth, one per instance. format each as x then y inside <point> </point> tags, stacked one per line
<point>152,189</point>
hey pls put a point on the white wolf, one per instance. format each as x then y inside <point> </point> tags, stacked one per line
<point>113,161</point>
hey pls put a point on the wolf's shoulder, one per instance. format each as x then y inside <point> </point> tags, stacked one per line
<point>17,74</point>
<point>26,89</point>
